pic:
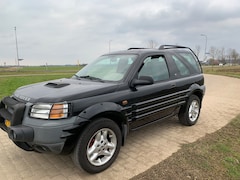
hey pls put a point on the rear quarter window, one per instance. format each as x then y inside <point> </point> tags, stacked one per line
<point>186,63</point>
<point>192,61</point>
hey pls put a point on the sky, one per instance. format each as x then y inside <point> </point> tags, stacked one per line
<point>59,32</point>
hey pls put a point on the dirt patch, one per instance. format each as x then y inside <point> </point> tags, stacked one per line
<point>10,69</point>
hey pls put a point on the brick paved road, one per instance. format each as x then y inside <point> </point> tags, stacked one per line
<point>144,148</point>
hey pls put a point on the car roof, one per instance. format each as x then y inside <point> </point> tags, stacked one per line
<point>162,48</point>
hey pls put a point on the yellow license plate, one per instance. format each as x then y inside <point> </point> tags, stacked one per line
<point>7,122</point>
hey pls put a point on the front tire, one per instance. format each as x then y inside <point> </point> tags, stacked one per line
<point>98,145</point>
<point>189,113</point>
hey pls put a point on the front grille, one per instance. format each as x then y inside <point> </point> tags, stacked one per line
<point>12,110</point>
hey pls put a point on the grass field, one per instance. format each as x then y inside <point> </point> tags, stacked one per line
<point>10,84</point>
<point>39,70</point>
<point>231,71</point>
<point>12,78</point>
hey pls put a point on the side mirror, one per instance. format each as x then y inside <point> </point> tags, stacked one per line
<point>143,80</point>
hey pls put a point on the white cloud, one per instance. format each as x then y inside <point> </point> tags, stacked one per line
<point>62,32</point>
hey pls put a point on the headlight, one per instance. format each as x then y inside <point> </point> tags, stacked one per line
<point>49,111</point>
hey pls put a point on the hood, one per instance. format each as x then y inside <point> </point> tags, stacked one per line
<point>62,90</point>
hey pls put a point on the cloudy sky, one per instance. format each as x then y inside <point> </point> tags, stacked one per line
<point>68,31</point>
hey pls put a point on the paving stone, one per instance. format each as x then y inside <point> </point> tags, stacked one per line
<point>143,149</point>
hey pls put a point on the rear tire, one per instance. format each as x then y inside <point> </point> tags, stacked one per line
<point>98,146</point>
<point>190,112</point>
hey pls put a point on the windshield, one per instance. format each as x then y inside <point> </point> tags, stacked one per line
<point>107,68</point>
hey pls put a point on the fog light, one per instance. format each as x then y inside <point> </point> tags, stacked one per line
<point>7,123</point>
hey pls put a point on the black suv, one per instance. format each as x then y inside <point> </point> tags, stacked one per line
<point>90,114</point>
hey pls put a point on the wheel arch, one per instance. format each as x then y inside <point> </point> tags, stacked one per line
<point>199,94</point>
<point>108,110</point>
<point>197,90</point>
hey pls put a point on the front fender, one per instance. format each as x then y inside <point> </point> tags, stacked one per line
<point>99,108</point>
<point>107,109</point>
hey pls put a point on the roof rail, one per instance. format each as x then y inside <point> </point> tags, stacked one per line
<point>171,47</point>
<point>176,46</point>
<point>136,48</point>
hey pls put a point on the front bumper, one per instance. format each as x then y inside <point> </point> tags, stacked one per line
<point>36,134</point>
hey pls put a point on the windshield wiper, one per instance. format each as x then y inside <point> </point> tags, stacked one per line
<point>76,76</point>
<point>91,78</point>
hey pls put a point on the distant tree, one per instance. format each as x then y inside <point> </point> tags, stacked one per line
<point>213,52</point>
<point>211,61</point>
<point>221,55</point>
<point>234,55</point>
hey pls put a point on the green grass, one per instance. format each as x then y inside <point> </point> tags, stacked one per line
<point>12,78</point>
<point>10,84</point>
<point>38,70</point>
<point>231,71</point>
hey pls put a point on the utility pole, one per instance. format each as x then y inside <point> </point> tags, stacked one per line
<point>205,53</point>
<point>16,44</point>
